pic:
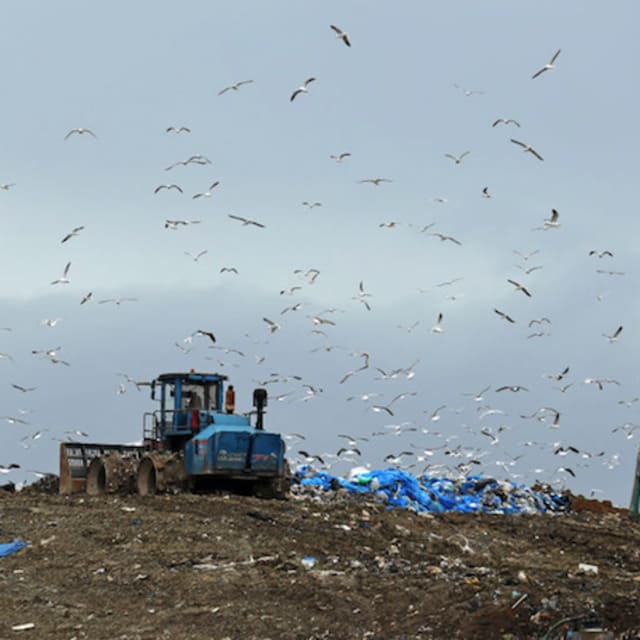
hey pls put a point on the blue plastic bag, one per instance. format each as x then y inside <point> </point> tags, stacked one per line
<point>11,547</point>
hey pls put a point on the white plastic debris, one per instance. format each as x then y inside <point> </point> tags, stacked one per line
<point>588,569</point>
<point>23,627</point>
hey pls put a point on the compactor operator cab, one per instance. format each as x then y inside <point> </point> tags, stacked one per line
<point>187,401</point>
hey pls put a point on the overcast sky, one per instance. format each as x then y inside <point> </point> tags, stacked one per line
<point>420,80</point>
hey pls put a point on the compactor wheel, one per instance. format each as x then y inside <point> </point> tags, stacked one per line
<point>146,481</point>
<point>110,473</point>
<point>274,488</point>
<point>161,472</point>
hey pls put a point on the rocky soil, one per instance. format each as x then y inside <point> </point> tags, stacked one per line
<point>228,566</point>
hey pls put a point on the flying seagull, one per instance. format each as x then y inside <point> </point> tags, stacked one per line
<point>6,187</point>
<point>529,270</point>
<point>437,327</point>
<point>273,326</point>
<point>615,335</point>
<point>207,193</point>
<point>457,159</point>
<point>600,382</point>
<point>443,238</point>
<point>505,121</point>
<point>167,186</point>
<point>552,221</point>
<point>311,205</point>
<point>208,334</point>
<point>558,376</point>
<point>504,316</point>
<point>73,232</point>
<point>519,287</point>
<point>340,157</point>
<point>178,130</point>
<point>302,89</point>
<point>246,221</point>
<point>50,322</point>
<point>198,255</point>
<point>374,181</point>
<point>547,67</point>
<point>228,270</point>
<point>341,34</point>
<point>526,256</point>
<point>600,254</point>
<point>64,278</point>
<point>527,148</point>
<point>81,131</point>
<point>234,87</point>
<point>362,295</point>
<point>174,224</point>
<point>117,301</point>
<point>23,389</point>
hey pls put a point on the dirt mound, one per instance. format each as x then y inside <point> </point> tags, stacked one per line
<point>336,566</point>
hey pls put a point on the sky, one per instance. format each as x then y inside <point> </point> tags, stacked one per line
<point>419,81</point>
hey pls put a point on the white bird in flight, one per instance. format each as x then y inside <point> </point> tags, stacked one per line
<point>341,34</point>
<point>234,87</point>
<point>178,130</point>
<point>198,255</point>
<point>81,131</point>
<point>174,224</point>
<point>302,89</point>
<point>50,322</point>
<point>552,221</point>
<point>74,232</point>
<point>505,121</point>
<point>457,159</point>
<point>437,327</point>
<point>362,295</point>
<point>374,181</point>
<point>64,278</point>
<point>273,326</point>
<point>547,67</point>
<point>246,221</point>
<point>117,301</point>
<point>167,186</point>
<point>340,156</point>
<point>614,336</point>
<point>527,148</point>
<point>207,193</point>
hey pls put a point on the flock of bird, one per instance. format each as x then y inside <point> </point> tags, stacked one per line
<point>447,439</point>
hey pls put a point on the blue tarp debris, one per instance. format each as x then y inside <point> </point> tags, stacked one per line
<point>437,494</point>
<point>11,547</point>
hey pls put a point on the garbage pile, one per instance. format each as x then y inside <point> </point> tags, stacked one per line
<point>431,494</point>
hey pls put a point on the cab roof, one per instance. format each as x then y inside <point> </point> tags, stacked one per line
<point>191,376</point>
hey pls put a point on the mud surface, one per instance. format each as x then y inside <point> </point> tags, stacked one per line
<point>203,566</point>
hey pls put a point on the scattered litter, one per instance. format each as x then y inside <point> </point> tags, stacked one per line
<point>23,627</point>
<point>231,565</point>
<point>520,600</point>
<point>11,547</point>
<point>399,488</point>
<point>589,569</point>
<point>308,562</point>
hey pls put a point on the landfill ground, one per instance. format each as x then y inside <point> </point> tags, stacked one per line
<point>339,567</point>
